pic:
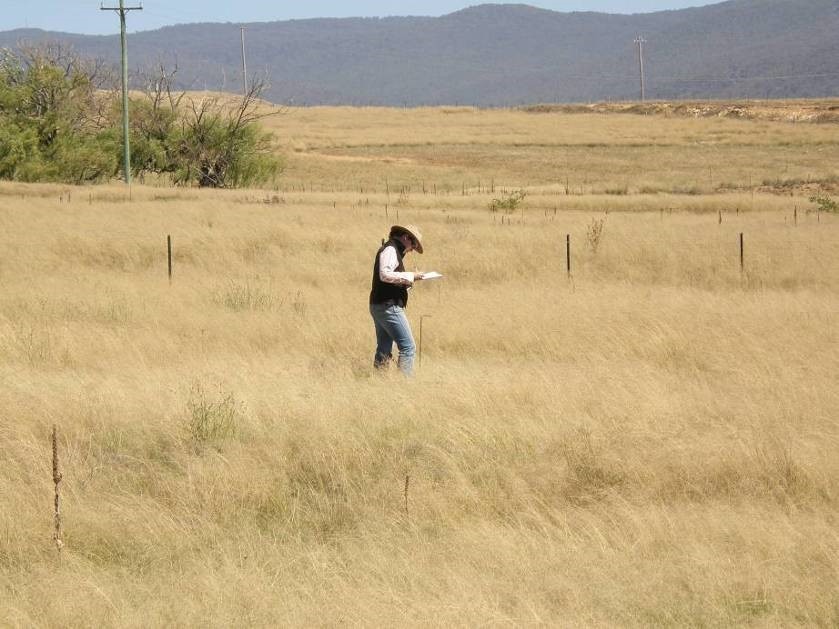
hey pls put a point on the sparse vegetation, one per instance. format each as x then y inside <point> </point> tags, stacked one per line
<point>508,202</point>
<point>824,203</point>
<point>211,418</point>
<point>594,233</point>
<point>239,296</point>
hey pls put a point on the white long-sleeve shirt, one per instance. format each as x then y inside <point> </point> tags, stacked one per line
<point>388,261</point>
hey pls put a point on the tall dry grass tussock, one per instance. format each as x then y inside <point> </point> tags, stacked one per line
<point>648,442</point>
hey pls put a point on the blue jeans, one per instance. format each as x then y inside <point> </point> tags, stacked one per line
<point>392,327</point>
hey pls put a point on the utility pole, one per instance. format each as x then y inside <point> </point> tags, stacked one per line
<point>640,41</point>
<point>244,66</point>
<point>122,9</point>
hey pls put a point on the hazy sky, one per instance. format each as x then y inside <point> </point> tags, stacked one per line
<point>84,16</point>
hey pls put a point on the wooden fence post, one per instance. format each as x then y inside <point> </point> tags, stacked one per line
<point>56,479</point>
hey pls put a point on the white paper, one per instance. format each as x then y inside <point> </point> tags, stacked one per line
<point>431,275</point>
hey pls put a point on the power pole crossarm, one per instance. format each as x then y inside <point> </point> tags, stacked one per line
<point>123,10</point>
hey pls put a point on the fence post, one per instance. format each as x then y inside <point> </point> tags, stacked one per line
<point>742,257</point>
<point>169,255</point>
<point>56,479</point>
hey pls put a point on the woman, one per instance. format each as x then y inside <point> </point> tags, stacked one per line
<point>389,296</point>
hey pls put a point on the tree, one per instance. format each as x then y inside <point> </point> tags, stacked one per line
<point>210,141</point>
<point>53,117</point>
<point>153,123</point>
<point>59,121</point>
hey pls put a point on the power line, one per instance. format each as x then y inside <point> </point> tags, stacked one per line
<point>177,14</point>
<point>123,10</point>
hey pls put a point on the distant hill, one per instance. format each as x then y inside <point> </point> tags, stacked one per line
<point>496,55</point>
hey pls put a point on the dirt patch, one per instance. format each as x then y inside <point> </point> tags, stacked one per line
<point>809,111</point>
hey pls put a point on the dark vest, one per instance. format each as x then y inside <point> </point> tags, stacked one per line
<point>382,291</point>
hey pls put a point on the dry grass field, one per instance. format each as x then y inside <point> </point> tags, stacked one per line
<point>650,441</point>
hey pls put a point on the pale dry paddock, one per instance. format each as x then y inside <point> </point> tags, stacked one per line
<point>650,441</point>
<point>449,149</point>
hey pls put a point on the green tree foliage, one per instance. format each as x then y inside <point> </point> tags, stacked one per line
<point>60,120</point>
<point>219,151</point>
<point>51,124</point>
<point>208,141</point>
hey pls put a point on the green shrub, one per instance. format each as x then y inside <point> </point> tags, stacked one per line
<point>825,203</point>
<point>508,203</point>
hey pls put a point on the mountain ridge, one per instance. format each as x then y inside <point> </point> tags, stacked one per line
<point>498,55</point>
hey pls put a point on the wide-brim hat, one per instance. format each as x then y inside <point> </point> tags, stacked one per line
<point>412,230</point>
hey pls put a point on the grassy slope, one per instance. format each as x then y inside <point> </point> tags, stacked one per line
<point>651,442</point>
